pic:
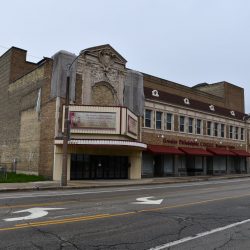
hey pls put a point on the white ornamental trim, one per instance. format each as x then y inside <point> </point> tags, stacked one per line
<point>212,107</point>
<point>103,142</point>
<point>232,113</point>
<point>186,101</point>
<point>155,93</point>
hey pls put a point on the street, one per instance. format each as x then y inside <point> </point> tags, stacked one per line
<point>200,215</point>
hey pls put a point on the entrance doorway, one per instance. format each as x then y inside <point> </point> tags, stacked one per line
<point>84,166</point>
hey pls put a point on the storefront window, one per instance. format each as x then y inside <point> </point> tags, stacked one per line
<point>190,125</point>
<point>222,130</point>
<point>182,124</point>
<point>158,119</point>
<point>215,129</point>
<point>209,128</point>
<point>231,132</point>
<point>148,118</point>
<point>169,121</point>
<point>242,134</point>
<point>198,126</point>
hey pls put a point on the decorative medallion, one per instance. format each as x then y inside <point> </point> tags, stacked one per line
<point>211,107</point>
<point>186,101</point>
<point>232,113</point>
<point>155,93</point>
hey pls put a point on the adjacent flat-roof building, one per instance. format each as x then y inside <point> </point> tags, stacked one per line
<point>123,123</point>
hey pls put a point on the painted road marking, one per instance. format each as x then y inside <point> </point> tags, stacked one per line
<point>37,204</point>
<point>168,193</point>
<point>146,200</point>
<point>169,186</point>
<point>102,216</point>
<point>35,212</point>
<point>177,242</point>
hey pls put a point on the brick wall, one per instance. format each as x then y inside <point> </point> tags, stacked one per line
<point>19,65</point>
<point>155,136</point>
<point>26,134</point>
<point>101,95</point>
<point>8,142</point>
<point>47,117</point>
<point>29,145</point>
<point>234,97</point>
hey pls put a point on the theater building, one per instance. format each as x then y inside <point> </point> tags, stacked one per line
<point>124,124</point>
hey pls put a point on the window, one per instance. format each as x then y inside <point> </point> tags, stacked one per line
<point>236,134</point>
<point>231,132</point>
<point>148,118</point>
<point>182,124</point>
<point>190,125</point>
<point>222,130</point>
<point>169,121</point>
<point>242,134</point>
<point>158,119</point>
<point>198,126</point>
<point>215,129</point>
<point>209,124</point>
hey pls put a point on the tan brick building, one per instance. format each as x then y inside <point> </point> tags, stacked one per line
<point>123,124</point>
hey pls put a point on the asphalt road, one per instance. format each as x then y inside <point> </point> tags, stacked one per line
<point>205,215</point>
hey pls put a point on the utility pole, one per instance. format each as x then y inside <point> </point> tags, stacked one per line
<point>66,133</point>
<point>66,130</point>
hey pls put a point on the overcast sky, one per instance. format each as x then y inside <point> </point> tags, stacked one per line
<point>185,41</point>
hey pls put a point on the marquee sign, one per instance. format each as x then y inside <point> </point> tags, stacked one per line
<point>101,120</point>
<point>92,120</point>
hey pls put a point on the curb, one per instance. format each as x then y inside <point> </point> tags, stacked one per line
<point>92,186</point>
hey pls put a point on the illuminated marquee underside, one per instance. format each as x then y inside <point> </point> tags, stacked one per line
<point>103,142</point>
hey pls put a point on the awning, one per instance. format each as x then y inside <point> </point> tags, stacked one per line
<point>195,151</point>
<point>221,151</point>
<point>242,153</point>
<point>158,149</point>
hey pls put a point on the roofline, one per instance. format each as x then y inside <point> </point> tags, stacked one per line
<point>184,86</point>
<point>101,46</point>
<point>11,48</point>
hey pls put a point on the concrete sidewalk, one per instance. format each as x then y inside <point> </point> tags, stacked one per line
<point>50,185</point>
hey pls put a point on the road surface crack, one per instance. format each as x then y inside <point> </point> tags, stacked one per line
<point>9,211</point>
<point>63,242</point>
<point>36,246</point>
<point>128,244</point>
<point>225,243</point>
